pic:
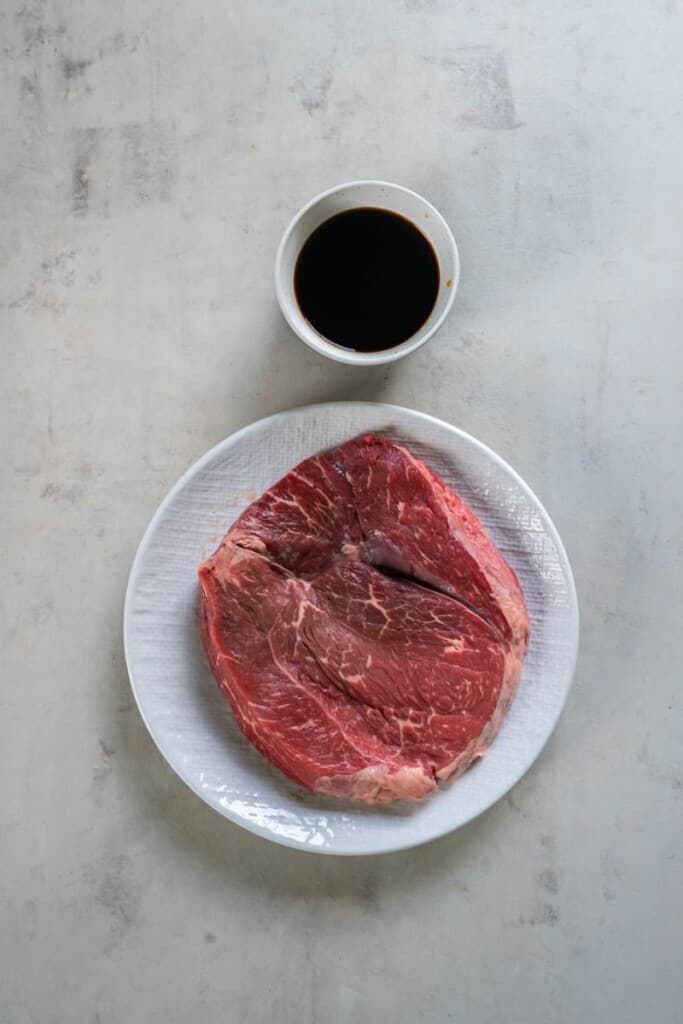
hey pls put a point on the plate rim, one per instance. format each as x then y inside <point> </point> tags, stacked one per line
<point>233,438</point>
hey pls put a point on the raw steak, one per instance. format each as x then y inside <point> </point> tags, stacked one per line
<point>367,632</point>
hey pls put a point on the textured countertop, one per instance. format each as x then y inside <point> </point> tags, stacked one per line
<point>151,156</point>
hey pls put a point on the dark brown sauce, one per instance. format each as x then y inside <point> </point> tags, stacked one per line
<point>366,279</point>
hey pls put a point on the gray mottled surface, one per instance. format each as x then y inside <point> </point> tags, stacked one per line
<point>151,155</point>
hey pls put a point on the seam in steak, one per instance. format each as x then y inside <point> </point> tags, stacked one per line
<point>366,631</point>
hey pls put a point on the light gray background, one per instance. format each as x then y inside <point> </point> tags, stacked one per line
<point>151,154</point>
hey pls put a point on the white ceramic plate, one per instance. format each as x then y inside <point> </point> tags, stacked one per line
<point>190,720</point>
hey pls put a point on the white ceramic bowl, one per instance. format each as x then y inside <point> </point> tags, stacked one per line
<point>386,196</point>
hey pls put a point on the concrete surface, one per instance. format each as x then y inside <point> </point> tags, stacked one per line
<point>151,155</point>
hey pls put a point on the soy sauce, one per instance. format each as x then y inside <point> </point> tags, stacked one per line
<point>366,279</point>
